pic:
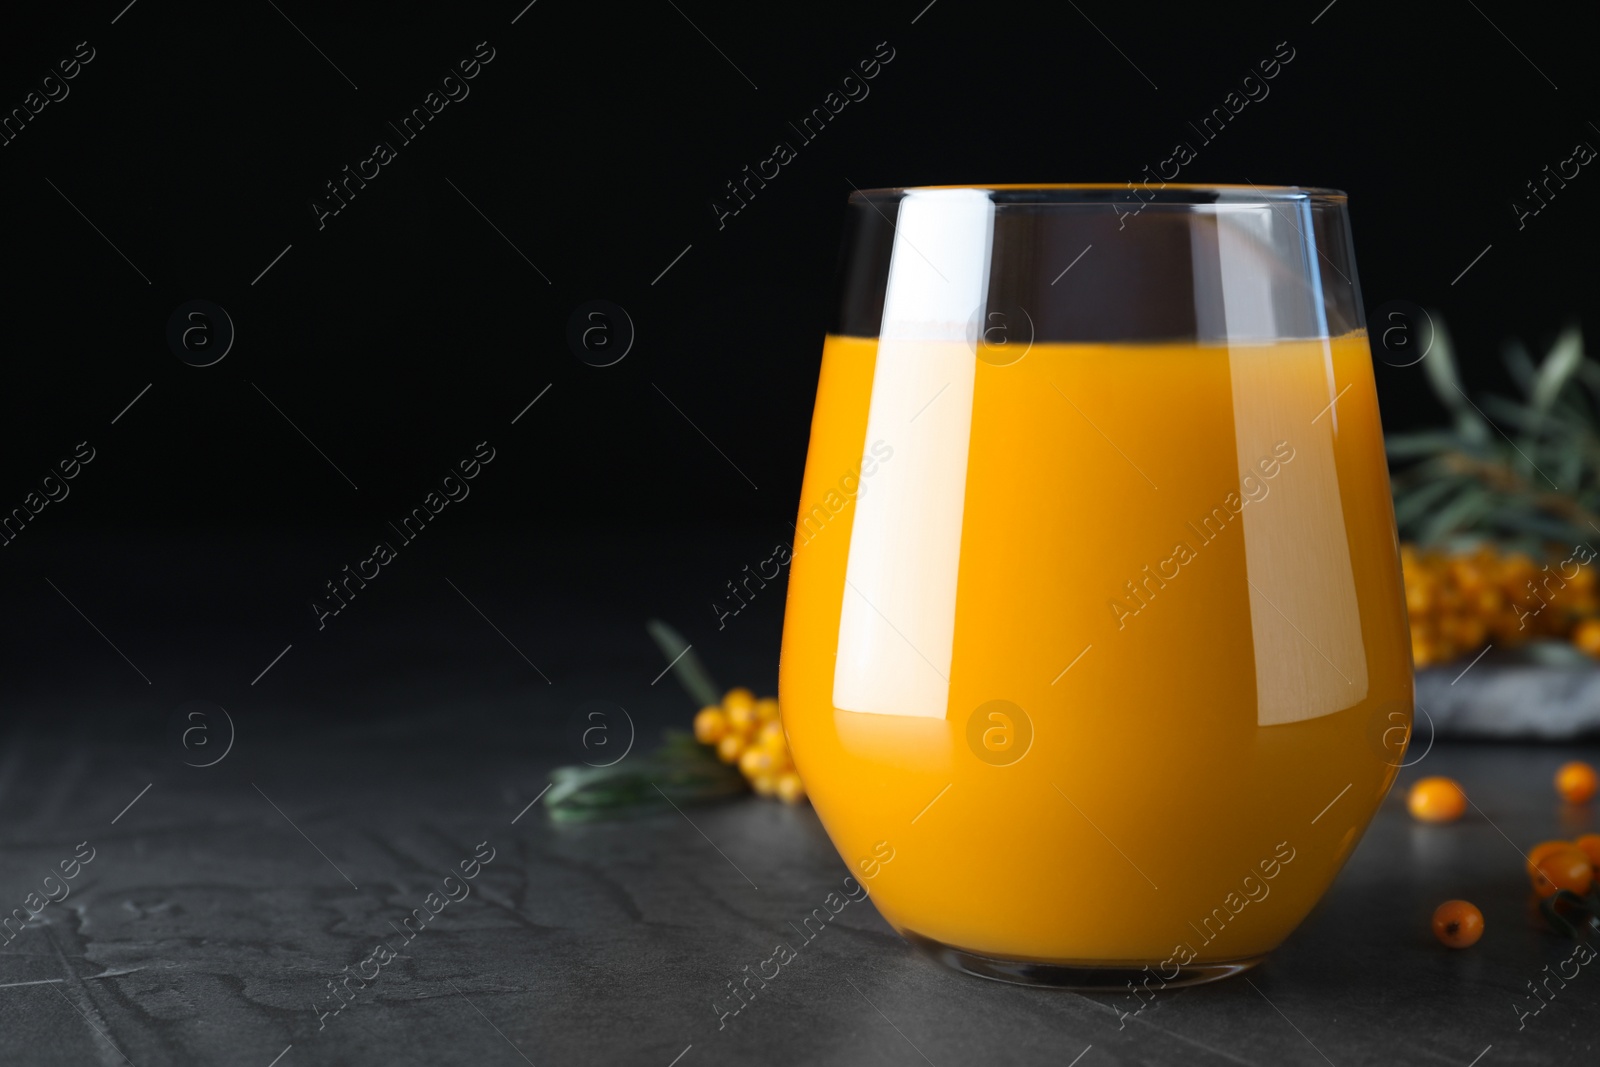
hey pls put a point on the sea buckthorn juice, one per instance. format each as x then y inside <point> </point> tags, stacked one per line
<point>1105,638</point>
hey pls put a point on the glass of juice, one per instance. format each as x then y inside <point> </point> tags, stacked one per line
<point>1095,660</point>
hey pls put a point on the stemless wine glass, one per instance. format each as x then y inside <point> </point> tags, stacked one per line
<point>1095,661</point>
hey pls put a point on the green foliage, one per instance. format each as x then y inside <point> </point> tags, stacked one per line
<point>686,666</point>
<point>680,772</point>
<point>1523,472</point>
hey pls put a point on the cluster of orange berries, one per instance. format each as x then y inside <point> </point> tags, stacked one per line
<point>1459,601</point>
<point>1569,865</point>
<point>748,732</point>
<point>1552,865</point>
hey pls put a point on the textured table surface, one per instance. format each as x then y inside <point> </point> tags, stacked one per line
<point>374,757</point>
<point>217,908</point>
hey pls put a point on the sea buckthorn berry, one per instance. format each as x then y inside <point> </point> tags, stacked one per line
<point>1589,845</point>
<point>709,726</point>
<point>1517,570</point>
<point>1587,637</point>
<point>1457,923</point>
<point>1436,800</point>
<point>729,748</point>
<point>738,698</point>
<point>1469,577</point>
<point>767,709</point>
<point>1418,599</point>
<point>770,737</point>
<point>765,784</point>
<point>1540,851</point>
<point>790,790</point>
<point>742,719</point>
<point>755,761</point>
<point>1564,868</point>
<point>1575,782</point>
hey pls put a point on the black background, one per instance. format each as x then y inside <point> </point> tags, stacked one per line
<point>408,329</point>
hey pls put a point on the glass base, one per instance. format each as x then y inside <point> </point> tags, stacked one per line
<point>1086,976</point>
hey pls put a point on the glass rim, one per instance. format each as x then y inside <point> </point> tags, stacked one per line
<point>1096,192</point>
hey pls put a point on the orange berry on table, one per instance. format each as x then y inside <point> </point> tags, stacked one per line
<point>765,784</point>
<point>729,748</point>
<point>1565,868</point>
<point>1589,845</point>
<point>1540,851</point>
<point>1436,799</point>
<point>1587,637</point>
<point>738,698</point>
<point>1457,923</point>
<point>755,761</point>
<point>767,709</point>
<point>709,726</point>
<point>1576,782</point>
<point>790,790</point>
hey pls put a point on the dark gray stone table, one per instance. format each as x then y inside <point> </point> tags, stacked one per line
<point>375,756</point>
<point>218,907</point>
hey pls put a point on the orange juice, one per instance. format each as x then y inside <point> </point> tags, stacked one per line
<point>1099,642</point>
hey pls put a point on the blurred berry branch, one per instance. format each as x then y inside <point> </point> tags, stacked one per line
<point>1523,472</point>
<point>679,772</point>
<point>686,666</point>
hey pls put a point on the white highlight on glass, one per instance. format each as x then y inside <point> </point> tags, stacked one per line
<point>897,621</point>
<point>1250,271</point>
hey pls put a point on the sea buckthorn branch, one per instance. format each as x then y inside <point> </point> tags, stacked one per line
<point>1558,909</point>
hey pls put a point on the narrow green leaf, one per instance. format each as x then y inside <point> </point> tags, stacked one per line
<point>1472,503</point>
<point>681,771</point>
<point>1557,369</point>
<point>1440,366</point>
<point>1416,503</point>
<point>1570,465</point>
<point>1420,443</point>
<point>686,666</point>
<point>1545,526</point>
<point>1520,364</point>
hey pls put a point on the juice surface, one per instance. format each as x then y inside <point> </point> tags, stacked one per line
<point>1170,570</point>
